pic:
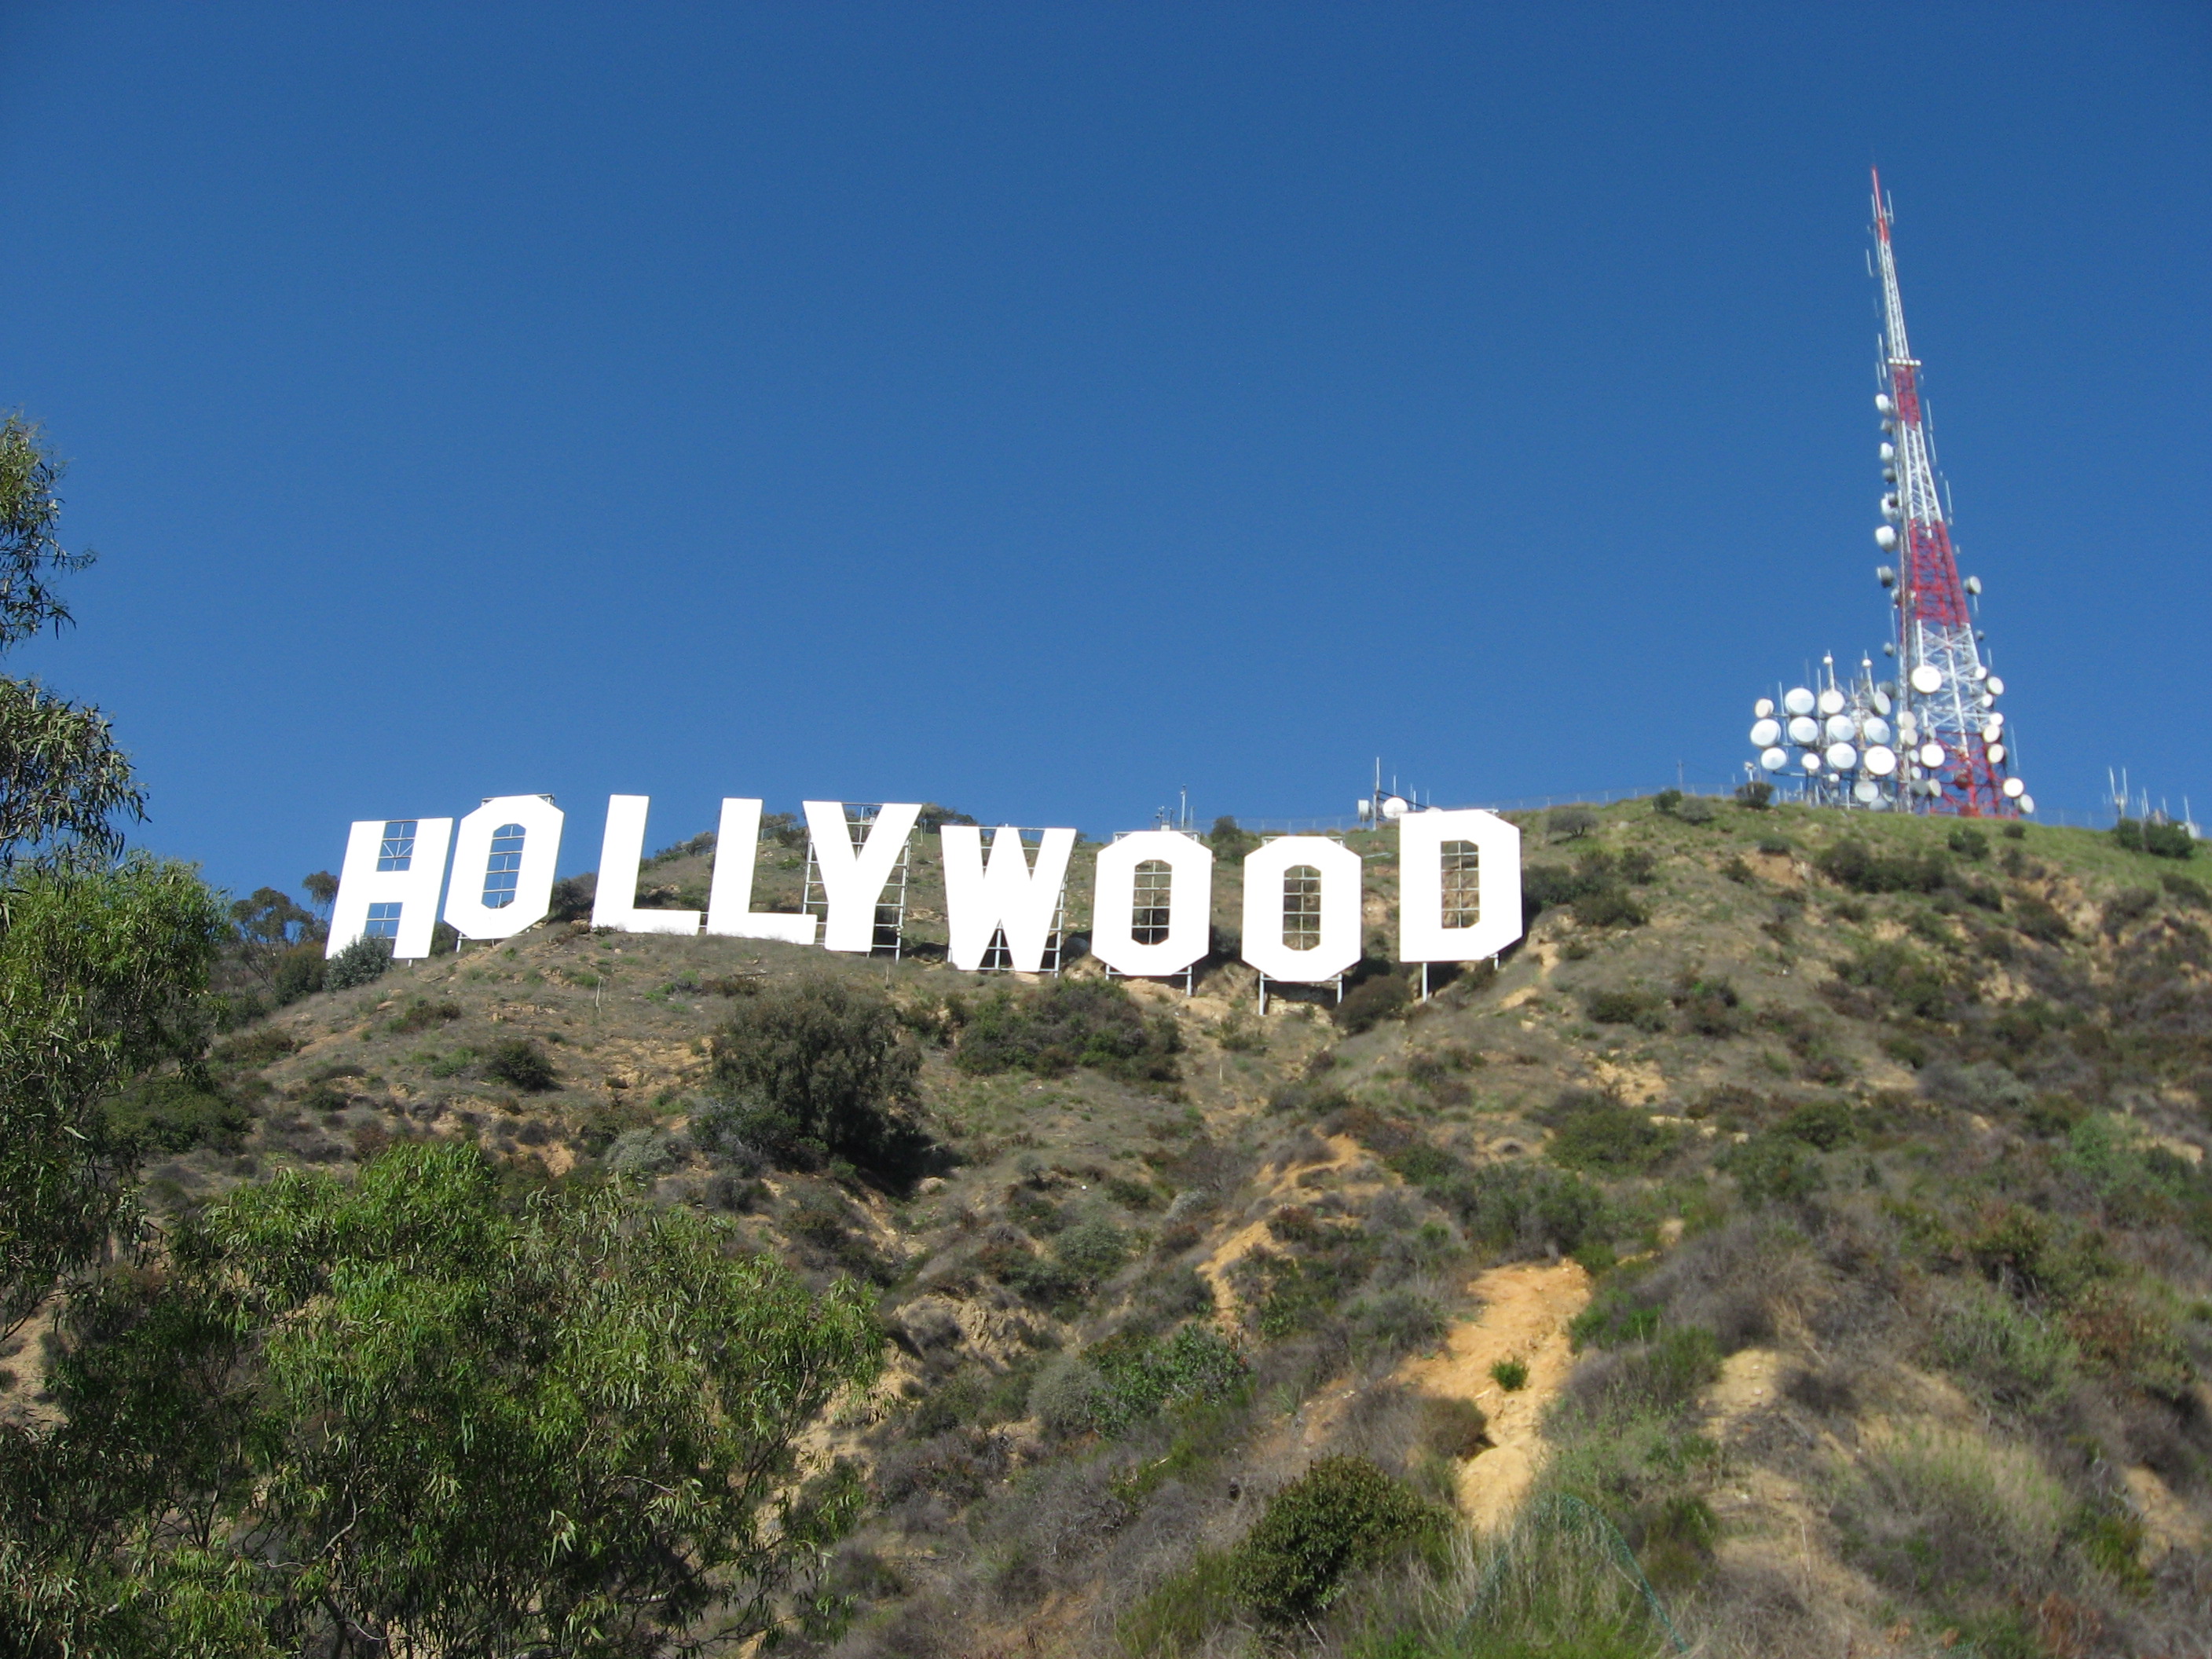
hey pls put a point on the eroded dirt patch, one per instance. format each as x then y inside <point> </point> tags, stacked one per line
<point>1526,1308</point>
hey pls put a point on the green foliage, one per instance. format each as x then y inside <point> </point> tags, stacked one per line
<point>1570,823</point>
<point>814,1068</point>
<point>174,1113</point>
<point>1520,1209</point>
<point>1590,1132</point>
<point>98,970</point>
<point>2159,840</point>
<point>437,1414</point>
<point>521,1062</point>
<point>1374,1000</point>
<point>362,962</point>
<point>1968,842</point>
<point>1133,1376</point>
<point>1597,888</point>
<point>1771,1167</point>
<point>1230,840</point>
<point>1638,1008</point>
<point>1758,794</point>
<point>1510,1374</point>
<point>1067,1023</point>
<point>1177,1617</point>
<point>1853,864</point>
<point>1340,1518</point>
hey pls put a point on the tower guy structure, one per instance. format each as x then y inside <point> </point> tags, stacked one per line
<point>1945,697</point>
<point>1933,739</point>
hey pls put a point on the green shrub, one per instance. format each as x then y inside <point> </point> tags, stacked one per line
<point>1524,1208</point>
<point>1772,1169</point>
<point>1638,1008</point>
<point>814,1068</point>
<point>1510,1374</point>
<point>519,1061</point>
<point>1131,1376</point>
<point>1968,842</point>
<point>1340,1518</point>
<point>1855,865</point>
<point>1592,1132</point>
<point>1070,1023</point>
<point>2168,841</point>
<point>298,972</point>
<point>1177,1617</point>
<point>1758,794</point>
<point>1570,823</point>
<point>174,1114</point>
<point>1398,1320</point>
<point>1823,1124</point>
<point>1368,1004</point>
<point>361,961</point>
<point>1455,1428</point>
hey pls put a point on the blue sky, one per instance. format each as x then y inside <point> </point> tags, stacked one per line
<point>1039,408</point>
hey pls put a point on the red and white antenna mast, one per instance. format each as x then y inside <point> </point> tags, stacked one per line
<point>1953,739</point>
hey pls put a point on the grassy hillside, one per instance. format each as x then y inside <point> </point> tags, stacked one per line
<point>1812,1212</point>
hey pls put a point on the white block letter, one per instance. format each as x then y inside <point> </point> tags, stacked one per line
<point>1491,889</point>
<point>853,878</point>
<point>980,899</point>
<point>1190,904</point>
<point>499,887</point>
<point>1265,870</point>
<point>389,885</point>
<point>730,898</point>
<point>614,903</point>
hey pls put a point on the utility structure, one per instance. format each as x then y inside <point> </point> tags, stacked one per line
<point>1954,743</point>
<point>1933,739</point>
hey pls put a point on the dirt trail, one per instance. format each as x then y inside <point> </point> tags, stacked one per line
<point>1344,1152</point>
<point>1526,1308</point>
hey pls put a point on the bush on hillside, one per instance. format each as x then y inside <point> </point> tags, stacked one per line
<point>1570,823</point>
<point>360,962</point>
<point>814,1068</point>
<point>174,1114</point>
<point>1371,1001</point>
<point>522,1063</point>
<point>1340,1518</point>
<point>1067,1023</point>
<point>1855,865</point>
<point>1758,795</point>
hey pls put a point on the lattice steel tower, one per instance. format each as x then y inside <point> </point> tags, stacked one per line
<point>1952,737</point>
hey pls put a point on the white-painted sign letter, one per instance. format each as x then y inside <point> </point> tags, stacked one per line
<point>980,899</point>
<point>614,905</point>
<point>1129,934</point>
<point>730,898</point>
<point>504,854</point>
<point>389,885</point>
<point>853,878</point>
<point>1459,885</point>
<point>1331,913</point>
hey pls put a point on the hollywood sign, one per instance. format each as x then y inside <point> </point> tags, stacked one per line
<point>504,855</point>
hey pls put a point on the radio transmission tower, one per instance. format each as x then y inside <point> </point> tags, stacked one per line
<point>1952,737</point>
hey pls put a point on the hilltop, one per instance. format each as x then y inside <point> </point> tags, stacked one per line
<point>1812,1209</point>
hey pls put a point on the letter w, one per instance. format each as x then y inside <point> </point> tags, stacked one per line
<point>979,901</point>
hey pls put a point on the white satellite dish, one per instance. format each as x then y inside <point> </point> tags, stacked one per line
<point>1994,686</point>
<point>1866,792</point>
<point>1881,761</point>
<point>1764,734</point>
<point>1842,728</point>
<point>1882,405</point>
<point>1843,757</point>
<point>1875,728</point>
<point>1365,809</point>
<point>1997,720</point>
<point>1927,679</point>
<point>1805,729</point>
<point>1832,701</point>
<point>1992,732</point>
<point>1888,452</point>
<point>2014,788</point>
<point>1885,539</point>
<point>2026,802</point>
<point>1980,672</point>
<point>1882,703</point>
<point>1809,761</point>
<point>1763,707</point>
<point>1997,754</point>
<point>1931,755</point>
<point>1797,699</point>
<point>1393,809</point>
<point>1774,759</point>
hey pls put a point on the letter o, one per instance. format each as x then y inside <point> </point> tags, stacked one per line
<point>533,886</point>
<point>1190,904</point>
<point>1265,871</point>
